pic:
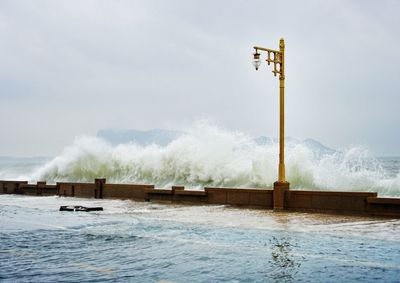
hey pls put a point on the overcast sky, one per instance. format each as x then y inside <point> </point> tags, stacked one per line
<point>69,68</point>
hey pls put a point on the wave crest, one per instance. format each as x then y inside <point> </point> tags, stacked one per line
<point>209,156</point>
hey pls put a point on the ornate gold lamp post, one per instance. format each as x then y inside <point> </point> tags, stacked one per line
<point>278,59</point>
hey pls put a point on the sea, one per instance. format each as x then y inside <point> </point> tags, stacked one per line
<point>148,242</point>
<point>133,241</point>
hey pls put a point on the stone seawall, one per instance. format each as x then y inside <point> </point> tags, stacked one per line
<point>355,203</point>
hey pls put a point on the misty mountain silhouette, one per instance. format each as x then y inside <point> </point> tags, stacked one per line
<point>164,137</point>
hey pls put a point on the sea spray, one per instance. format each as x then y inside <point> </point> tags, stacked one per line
<point>207,155</point>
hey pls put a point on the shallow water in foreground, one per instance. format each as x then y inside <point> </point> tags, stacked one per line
<point>146,242</point>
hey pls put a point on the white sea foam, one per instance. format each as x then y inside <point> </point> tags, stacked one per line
<point>209,156</point>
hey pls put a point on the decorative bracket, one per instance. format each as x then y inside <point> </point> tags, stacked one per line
<point>273,56</point>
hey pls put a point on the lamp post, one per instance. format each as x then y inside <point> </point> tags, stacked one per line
<point>277,57</point>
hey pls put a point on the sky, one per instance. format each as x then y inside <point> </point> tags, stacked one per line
<point>71,68</point>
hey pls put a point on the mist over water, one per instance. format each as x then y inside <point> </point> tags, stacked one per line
<point>207,155</point>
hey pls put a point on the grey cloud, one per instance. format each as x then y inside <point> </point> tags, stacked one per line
<point>74,67</point>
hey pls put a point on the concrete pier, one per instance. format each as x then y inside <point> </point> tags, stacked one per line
<point>334,202</point>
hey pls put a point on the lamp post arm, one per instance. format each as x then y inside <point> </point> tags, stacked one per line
<point>266,49</point>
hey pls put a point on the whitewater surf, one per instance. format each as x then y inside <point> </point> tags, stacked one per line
<point>206,155</point>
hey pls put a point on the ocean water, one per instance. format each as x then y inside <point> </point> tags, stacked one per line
<point>147,242</point>
<point>210,156</point>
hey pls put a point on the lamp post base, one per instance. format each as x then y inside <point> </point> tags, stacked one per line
<point>280,189</point>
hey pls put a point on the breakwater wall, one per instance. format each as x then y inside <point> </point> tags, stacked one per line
<point>354,203</point>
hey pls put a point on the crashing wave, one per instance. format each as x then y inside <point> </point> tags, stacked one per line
<point>207,155</point>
